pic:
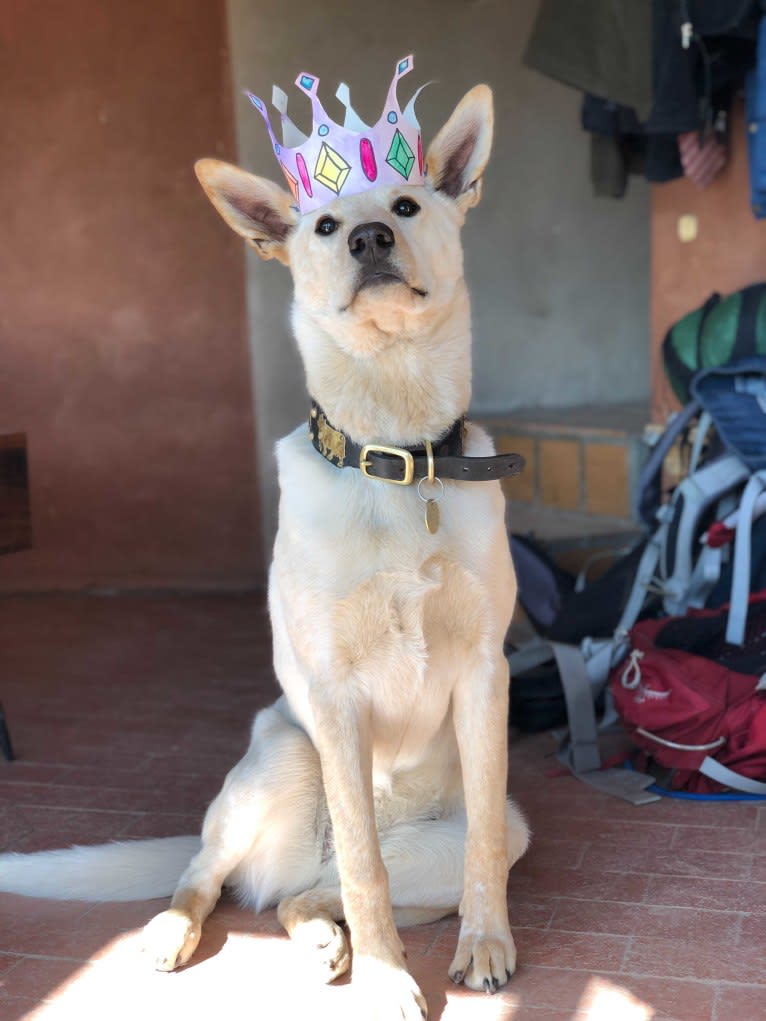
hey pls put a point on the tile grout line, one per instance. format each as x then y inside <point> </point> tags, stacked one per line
<point>626,951</point>
<point>692,979</point>
<point>716,1001</point>
<point>549,923</point>
<point>741,915</point>
<point>441,929</point>
<point>583,852</point>
<point>99,811</point>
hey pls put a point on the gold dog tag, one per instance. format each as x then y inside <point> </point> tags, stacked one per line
<point>432,516</point>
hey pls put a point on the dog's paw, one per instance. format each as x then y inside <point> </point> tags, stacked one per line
<point>386,991</point>
<point>326,942</point>
<point>484,962</point>
<point>169,940</point>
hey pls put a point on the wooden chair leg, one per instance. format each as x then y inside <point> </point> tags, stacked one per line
<point>5,738</point>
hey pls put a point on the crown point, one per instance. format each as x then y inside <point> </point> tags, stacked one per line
<point>279,100</point>
<point>404,65</point>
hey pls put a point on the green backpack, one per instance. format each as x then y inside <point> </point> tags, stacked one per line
<point>722,330</point>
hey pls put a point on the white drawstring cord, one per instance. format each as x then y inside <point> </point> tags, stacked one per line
<point>631,675</point>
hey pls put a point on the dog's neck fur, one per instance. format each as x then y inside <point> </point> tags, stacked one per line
<point>401,394</point>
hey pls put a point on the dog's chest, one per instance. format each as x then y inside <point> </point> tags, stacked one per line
<point>375,602</point>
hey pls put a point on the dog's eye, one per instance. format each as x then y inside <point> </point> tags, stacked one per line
<point>326,226</point>
<point>405,207</point>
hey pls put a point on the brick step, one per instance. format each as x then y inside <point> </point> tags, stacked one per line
<point>582,465</point>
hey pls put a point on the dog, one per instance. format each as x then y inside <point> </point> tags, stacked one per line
<point>374,790</point>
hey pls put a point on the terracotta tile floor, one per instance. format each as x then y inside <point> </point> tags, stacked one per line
<point>126,713</point>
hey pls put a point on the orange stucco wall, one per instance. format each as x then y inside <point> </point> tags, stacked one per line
<point>123,350</point>
<point>729,252</point>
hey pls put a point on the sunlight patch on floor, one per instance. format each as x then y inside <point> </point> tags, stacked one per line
<point>246,975</point>
<point>606,1001</point>
<point>122,986</point>
<point>478,1007</point>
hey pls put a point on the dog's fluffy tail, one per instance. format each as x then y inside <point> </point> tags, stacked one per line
<point>134,870</point>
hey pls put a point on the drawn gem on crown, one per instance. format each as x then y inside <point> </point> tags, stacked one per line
<point>349,158</point>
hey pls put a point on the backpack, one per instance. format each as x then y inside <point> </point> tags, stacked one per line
<point>562,608</point>
<point>681,563</point>
<point>695,704</point>
<point>721,331</point>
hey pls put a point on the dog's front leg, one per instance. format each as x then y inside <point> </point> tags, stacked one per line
<point>486,954</point>
<point>379,973</point>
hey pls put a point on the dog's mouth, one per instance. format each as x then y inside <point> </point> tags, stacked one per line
<point>379,278</point>
<point>382,278</point>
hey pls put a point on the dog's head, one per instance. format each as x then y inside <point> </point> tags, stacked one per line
<point>377,266</point>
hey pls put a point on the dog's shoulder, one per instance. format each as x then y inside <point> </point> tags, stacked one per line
<point>307,479</point>
<point>477,442</point>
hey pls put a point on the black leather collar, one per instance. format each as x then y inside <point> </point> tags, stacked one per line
<point>404,465</point>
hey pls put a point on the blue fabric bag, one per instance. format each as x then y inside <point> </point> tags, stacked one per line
<point>735,397</point>
<point>755,111</point>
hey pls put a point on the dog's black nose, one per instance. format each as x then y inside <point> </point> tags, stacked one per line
<point>370,242</point>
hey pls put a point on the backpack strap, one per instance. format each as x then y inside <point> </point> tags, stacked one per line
<point>649,480</point>
<point>729,778</point>
<point>740,581</point>
<point>704,426</point>
<point>692,498</point>
<point>582,746</point>
<point>747,326</point>
<point>583,676</point>
<point>584,671</point>
<point>705,576</point>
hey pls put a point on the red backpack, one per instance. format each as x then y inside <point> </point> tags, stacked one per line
<point>696,704</point>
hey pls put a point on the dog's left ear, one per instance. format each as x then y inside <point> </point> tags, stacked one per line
<point>258,210</point>
<point>458,155</point>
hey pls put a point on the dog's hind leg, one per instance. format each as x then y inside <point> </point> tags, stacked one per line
<point>311,918</point>
<point>260,834</point>
<point>424,860</point>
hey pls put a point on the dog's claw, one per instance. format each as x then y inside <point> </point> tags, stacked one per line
<point>484,963</point>
<point>457,977</point>
<point>508,975</point>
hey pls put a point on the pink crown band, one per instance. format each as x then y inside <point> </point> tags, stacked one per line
<point>346,159</point>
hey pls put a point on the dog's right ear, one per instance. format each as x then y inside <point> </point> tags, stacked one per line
<point>262,212</point>
<point>458,155</point>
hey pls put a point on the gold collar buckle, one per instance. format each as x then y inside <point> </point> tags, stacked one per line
<point>378,448</point>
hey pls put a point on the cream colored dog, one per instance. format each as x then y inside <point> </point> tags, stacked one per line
<point>374,790</point>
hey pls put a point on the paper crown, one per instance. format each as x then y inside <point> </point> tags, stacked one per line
<point>349,158</point>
